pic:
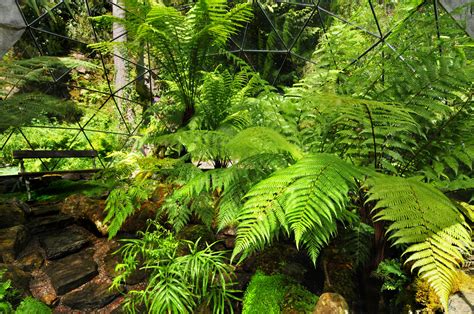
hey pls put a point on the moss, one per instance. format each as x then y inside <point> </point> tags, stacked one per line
<point>276,294</point>
<point>462,282</point>
<point>427,297</point>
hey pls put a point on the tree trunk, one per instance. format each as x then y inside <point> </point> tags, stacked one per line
<point>119,35</point>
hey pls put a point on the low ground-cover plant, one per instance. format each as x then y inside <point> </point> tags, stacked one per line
<point>182,277</point>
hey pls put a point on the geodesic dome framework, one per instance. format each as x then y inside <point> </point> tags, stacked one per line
<point>41,38</point>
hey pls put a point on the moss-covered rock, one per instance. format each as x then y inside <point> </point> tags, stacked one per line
<point>277,294</point>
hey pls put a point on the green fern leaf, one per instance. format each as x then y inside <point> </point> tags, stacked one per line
<point>423,218</point>
<point>305,199</point>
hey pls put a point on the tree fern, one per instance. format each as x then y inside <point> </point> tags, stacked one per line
<point>427,223</point>
<point>305,199</point>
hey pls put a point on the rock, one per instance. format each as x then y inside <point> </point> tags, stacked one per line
<point>72,271</point>
<point>20,279</point>
<point>31,261</point>
<point>69,240</point>
<point>44,209</point>
<point>295,271</point>
<point>91,296</point>
<point>461,302</point>
<point>11,214</point>
<point>195,232</point>
<point>331,303</point>
<point>111,260</point>
<point>48,223</point>
<point>12,241</point>
<point>228,236</point>
<point>48,298</point>
<point>83,207</point>
<point>139,220</point>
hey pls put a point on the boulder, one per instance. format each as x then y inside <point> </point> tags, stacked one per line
<point>12,241</point>
<point>62,243</point>
<point>72,271</point>
<point>92,209</point>
<point>331,303</point>
<point>11,214</point>
<point>82,207</point>
<point>91,296</point>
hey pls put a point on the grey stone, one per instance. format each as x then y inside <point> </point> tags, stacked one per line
<point>72,271</point>
<point>69,240</point>
<point>461,302</point>
<point>91,296</point>
<point>12,241</point>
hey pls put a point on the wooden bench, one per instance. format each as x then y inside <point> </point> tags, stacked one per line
<point>38,154</point>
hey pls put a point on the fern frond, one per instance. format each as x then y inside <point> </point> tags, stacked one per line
<point>259,140</point>
<point>424,219</point>
<point>305,199</point>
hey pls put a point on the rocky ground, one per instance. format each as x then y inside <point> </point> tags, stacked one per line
<point>55,258</point>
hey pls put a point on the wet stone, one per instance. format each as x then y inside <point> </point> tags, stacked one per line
<point>67,241</point>
<point>48,223</point>
<point>91,296</point>
<point>72,271</point>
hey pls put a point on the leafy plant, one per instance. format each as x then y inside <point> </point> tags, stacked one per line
<point>428,223</point>
<point>181,43</point>
<point>394,278</point>
<point>31,305</point>
<point>182,277</point>
<point>5,290</point>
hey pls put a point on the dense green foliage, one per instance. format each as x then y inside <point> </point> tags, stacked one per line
<point>375,142</point>
<point>182,277</point>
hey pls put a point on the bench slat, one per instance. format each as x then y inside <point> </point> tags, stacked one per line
<point>43,173</point>
<point>23,154</point>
